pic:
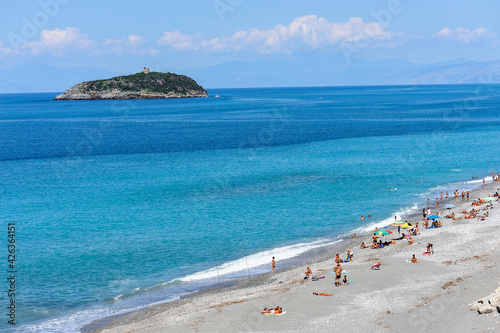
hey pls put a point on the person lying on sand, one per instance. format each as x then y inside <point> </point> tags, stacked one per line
<point>376,266</point>
<point>276,310</point>
<point>414,260</point>
<point>483,218</point>
<point>377,245</point>
<point>267,311</point>
<point>308,273</point>
<point>322,294</point>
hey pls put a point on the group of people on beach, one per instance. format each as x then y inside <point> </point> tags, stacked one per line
<point>338,276</point>
<point>409,236</point>
<point>495,178</point>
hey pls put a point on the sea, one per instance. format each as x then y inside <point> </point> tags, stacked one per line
<point>118,205</point>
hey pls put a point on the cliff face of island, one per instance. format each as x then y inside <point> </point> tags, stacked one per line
<point>144,85</point>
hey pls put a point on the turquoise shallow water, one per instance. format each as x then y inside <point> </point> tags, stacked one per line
<point>120,204</point>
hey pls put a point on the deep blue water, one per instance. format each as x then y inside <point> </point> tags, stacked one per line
<point>119,204</point>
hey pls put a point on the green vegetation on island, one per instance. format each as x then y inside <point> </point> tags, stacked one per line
<point>143,85</point>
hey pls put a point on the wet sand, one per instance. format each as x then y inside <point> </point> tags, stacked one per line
<point>433,295</point>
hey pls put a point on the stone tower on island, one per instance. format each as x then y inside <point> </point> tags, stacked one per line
<point>146,70</point>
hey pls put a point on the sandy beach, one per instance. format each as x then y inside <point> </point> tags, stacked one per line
<point>434,295</point>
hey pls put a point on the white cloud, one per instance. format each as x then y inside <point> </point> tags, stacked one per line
<point>59,42</point>
<point>465,34</point>
<point>5,50</point>
<point>180,41</point>
<point>306,32</point>
<point>133,44</point>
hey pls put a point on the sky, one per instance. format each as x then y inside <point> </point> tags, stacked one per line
<point>124,36</point>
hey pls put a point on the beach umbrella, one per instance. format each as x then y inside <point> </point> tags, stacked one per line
<point>407,225</point>
<point>433,217</point>
<point>489,199</point>
<point>398,223</point>
<point>382,232</point>
<point>449,206</point>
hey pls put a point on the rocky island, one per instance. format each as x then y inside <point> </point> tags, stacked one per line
<point>143,85</point>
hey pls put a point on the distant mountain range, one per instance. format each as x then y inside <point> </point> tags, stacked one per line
<point>323,70</point>
<point>335,71</point>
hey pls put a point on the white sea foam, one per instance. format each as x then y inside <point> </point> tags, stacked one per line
<point>72,323</point>
<point>389,220</point>
<point>254,260</point>
<point>463,185</point>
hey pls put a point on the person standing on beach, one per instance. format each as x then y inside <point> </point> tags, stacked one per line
<point>441,195</point>
<point>483,182</point>
<point>463,195</point>
<point>427,203</point>
<point>274,264</point>
<point>446,195</point>
<point>399,229</point>
<point>467,195</point>
<point>338,274</point>
<point>423,213</point>
<point>437,203</point>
